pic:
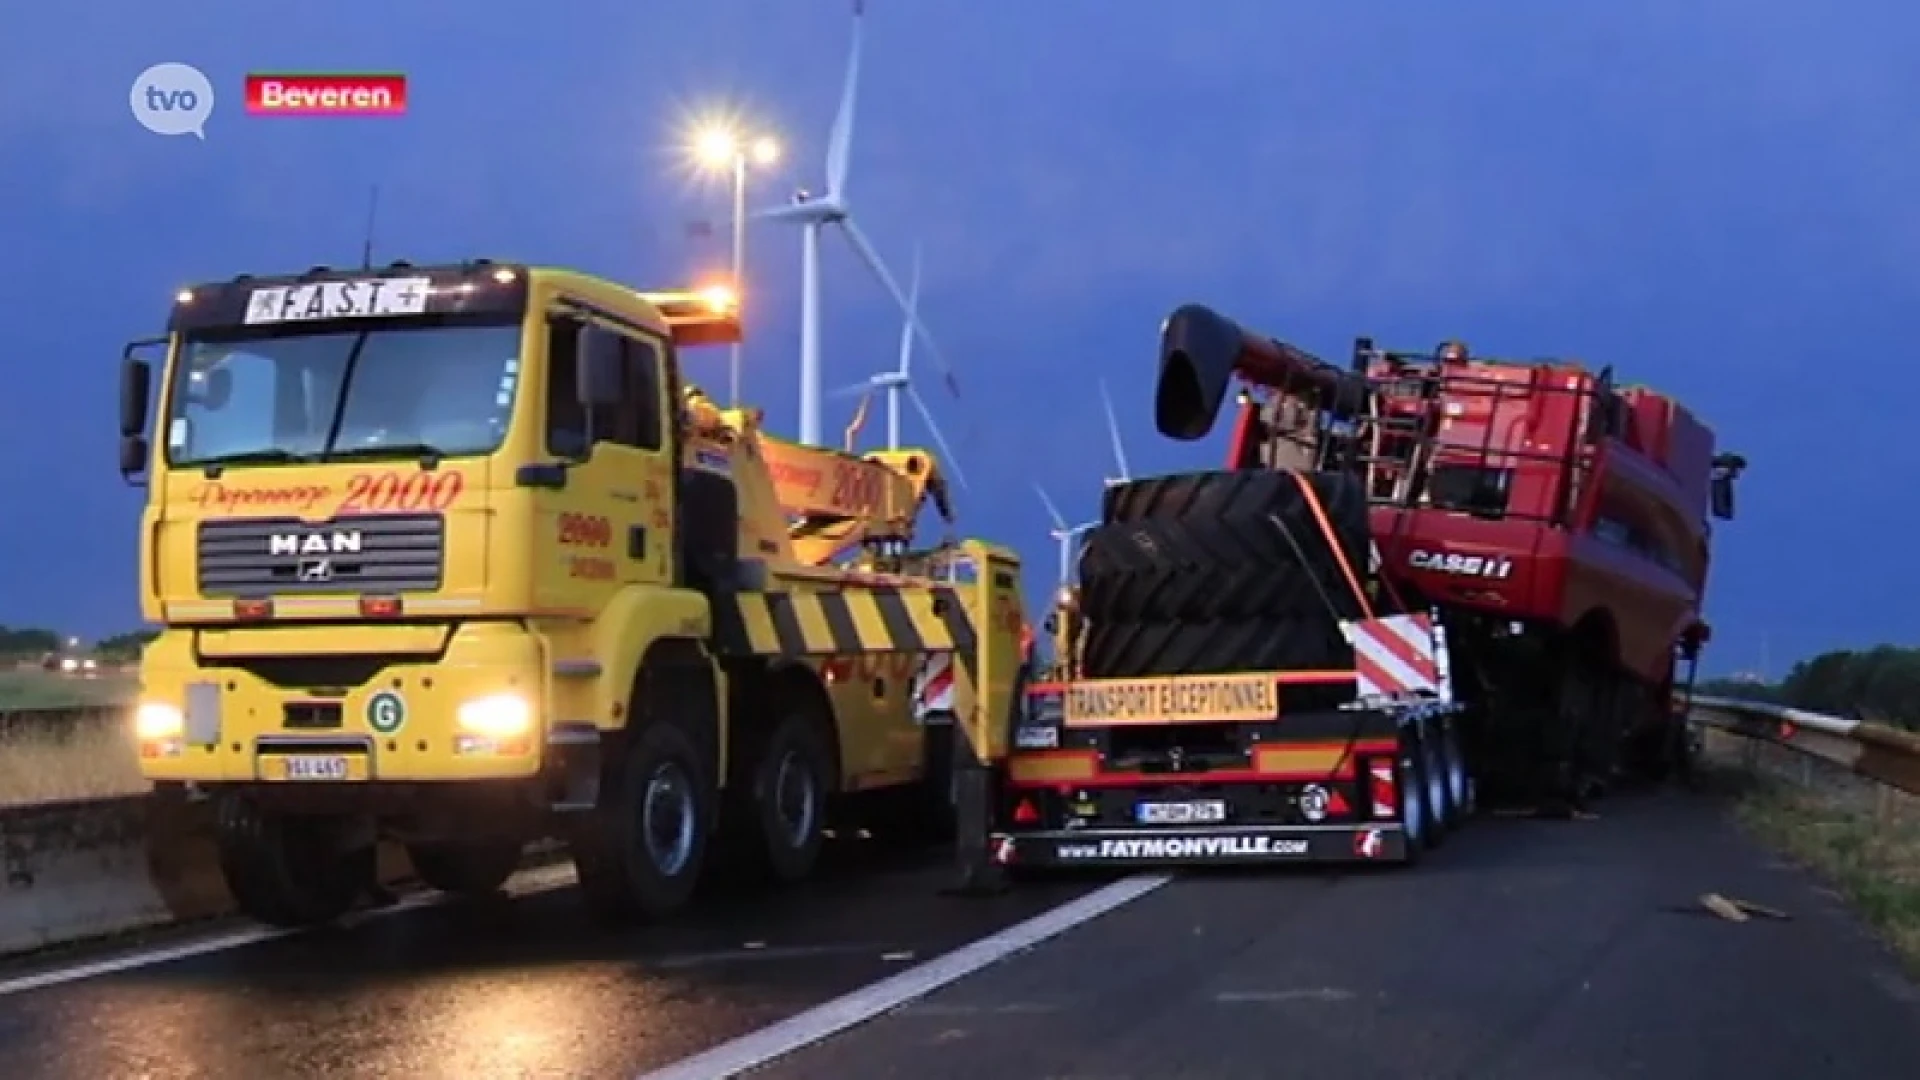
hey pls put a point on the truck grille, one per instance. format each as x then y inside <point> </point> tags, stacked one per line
<point>387,553</point>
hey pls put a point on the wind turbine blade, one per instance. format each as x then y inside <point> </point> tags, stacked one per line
<point>926,414</point>
<point>868,255</point>
<point>840,142</point>
<point>1059,521</point>
<point>1113,432</point>
<point>913,309</point>
<point>851,389</point>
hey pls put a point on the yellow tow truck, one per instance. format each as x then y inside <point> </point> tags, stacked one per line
<point>452,556</point>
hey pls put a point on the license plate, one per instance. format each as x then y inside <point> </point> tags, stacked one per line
<point>310,767</point>
<point>1182,813</point>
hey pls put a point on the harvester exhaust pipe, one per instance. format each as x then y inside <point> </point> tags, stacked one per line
<point>1200,352</point>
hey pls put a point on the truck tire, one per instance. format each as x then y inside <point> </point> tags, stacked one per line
<point>1199,547</point>
<point>466,868</point>
<point>641,852</point>
<point>790,784</point>
<point>1120,649</point>
<point>288,871</point>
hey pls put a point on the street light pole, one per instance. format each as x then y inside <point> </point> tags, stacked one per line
<point>718,147</point>
<point>739,266</point>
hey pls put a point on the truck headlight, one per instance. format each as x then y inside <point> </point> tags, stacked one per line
<point>497,716</point>
<point>154,721</point>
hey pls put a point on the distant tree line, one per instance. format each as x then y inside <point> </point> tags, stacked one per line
<point>1881,684</point>
<point>36,643</point>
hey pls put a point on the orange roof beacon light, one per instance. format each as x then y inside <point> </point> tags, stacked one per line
<point>709,315</point>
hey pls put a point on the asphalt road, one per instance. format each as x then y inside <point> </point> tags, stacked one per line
<point>1526,950</point>
<point>509,989</point>
<point>1523,949</point>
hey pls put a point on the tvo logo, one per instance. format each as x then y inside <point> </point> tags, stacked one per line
<point>172,99</point>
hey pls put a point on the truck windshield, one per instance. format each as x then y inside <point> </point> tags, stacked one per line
<point>446,390</point>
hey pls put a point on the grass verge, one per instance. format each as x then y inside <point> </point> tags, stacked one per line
<point>1864,842</point>
<point>27,689</point>
<point>92,761</point>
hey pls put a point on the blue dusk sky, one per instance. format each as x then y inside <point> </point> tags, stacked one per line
<point>1716,198</point>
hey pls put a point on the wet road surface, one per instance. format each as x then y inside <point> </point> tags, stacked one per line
<point>1525,950</point>
<point>522,988</point>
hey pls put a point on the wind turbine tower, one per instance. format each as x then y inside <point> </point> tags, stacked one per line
<point>1113,434</point>
<point>813,213</point>
<point>898,383</point>
<point>1064,534</point>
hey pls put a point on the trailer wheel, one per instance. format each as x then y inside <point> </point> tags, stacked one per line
<point>641,853</point>
<point>288,871</point>
<point>1441,817</point>
<point>466,868</point>
<point>1460,788</point>
<point>1410,782</point>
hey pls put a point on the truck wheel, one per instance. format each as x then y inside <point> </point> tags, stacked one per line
<point>641,853</point>
<point>466,868</point>
<point>288,871</point>
<point>790,786</point>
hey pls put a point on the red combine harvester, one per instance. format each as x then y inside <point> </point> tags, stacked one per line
<point>1421,579</point>
<point>1556,522</point>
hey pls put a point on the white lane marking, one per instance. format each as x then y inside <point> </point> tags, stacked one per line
<point>823,1021</point>
<point>527,883</point>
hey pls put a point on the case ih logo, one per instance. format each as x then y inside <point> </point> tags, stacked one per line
<point>336,542</point>
<point>1495,567</point>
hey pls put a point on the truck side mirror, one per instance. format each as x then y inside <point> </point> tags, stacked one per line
<point>1722,496</point>
<point>133,456</point>
<point>601,360</point>
<point>1726,468</point>
<point>136,386</point>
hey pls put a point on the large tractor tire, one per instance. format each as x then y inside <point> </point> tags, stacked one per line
<point>1200,547</point>
<point>1207,573</point>
<point>1117,649</point>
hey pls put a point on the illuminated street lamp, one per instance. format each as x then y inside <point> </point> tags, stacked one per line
<point>718,147</point>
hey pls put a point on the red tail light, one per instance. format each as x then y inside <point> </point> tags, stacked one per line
<point>1026,813</point>
<point>1386,794</point>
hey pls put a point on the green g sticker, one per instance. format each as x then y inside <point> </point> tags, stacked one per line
<point>386,712</point>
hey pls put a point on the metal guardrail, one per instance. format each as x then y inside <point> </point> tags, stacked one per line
<point>1885,755</point>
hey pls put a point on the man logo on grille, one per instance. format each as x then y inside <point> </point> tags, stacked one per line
<point>316,570</point>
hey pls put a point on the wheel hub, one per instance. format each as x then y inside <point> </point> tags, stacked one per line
<point>795,799</point>
<point>667,819</point>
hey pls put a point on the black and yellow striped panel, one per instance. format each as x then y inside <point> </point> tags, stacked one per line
<point>866,619</point>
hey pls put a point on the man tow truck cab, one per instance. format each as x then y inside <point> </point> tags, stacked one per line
<point>450,556</point>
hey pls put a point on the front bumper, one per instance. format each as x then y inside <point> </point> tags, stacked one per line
<point>1228,845</point>
<point>240,724</point>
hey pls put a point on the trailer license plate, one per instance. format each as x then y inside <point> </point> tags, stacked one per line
<point>315,767</point>
<point>1182,813</point>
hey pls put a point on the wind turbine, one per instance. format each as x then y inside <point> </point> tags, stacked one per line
<point>1113,433</point>
<point>1065,534</point>
<point>899,382</point>
<point>813,213</point>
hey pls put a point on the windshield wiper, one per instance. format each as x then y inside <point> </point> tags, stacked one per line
<point>265,456</point>
<point>428,454</point>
